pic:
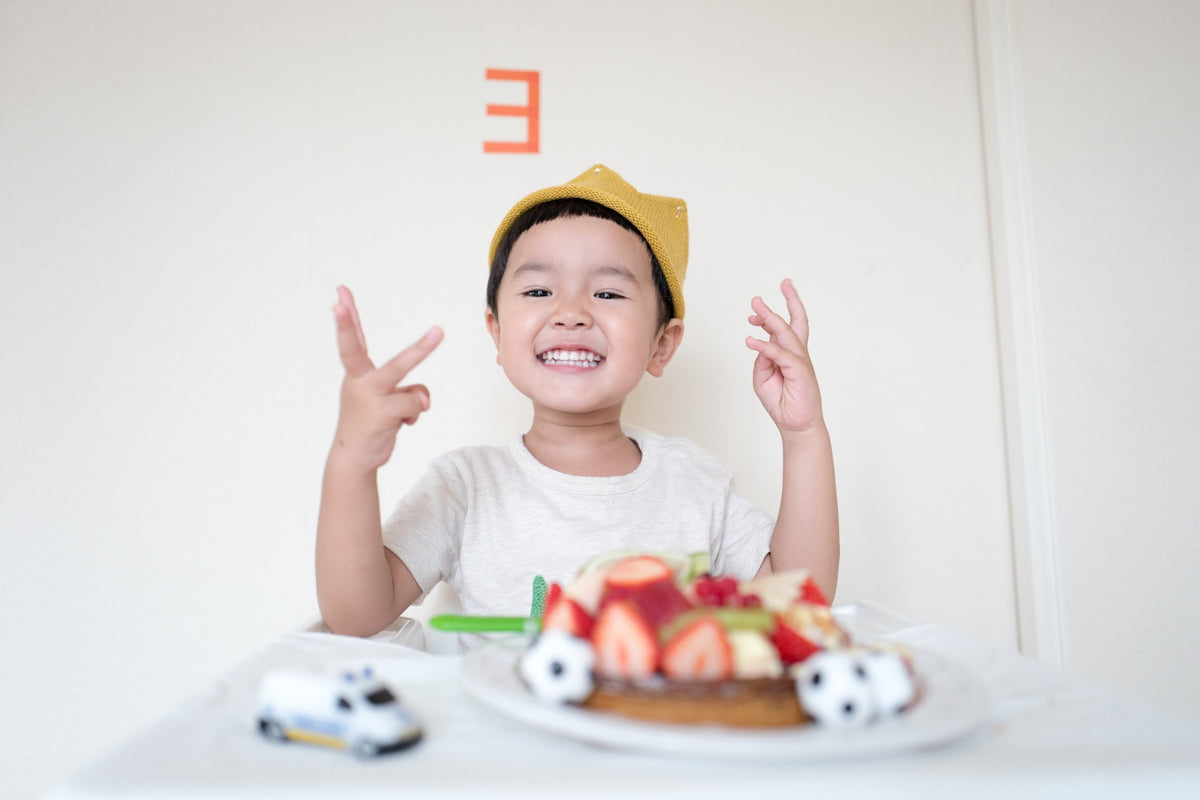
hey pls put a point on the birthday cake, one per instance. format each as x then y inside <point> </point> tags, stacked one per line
<point>657,637</point>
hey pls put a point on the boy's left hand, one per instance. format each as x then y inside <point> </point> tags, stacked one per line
<point>784,379</point>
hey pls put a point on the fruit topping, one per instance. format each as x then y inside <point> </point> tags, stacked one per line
<point>659,601</point>
<point>811,593</point>
<point>552,594</point>
<point>723,591</point>
<point>563,613</point>
<point>754,656</point>
<point>699,652</point>
<point>586,590</point>
<point>625,643</point>
<point>731,619</point>
<point>790,643</point>
<point>685,567</point>
<point>638,571</point>
<point>781,590</point>
<point>816,624</point>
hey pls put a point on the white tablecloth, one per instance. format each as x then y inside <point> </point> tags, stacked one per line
<point>1048,734</point>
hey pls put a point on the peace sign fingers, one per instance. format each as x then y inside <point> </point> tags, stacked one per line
<point>783,373</point>
<point>374,404</point>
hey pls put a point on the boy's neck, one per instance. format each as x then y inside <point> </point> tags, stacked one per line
<point>600,450</point>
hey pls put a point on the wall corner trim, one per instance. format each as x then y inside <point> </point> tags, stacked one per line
<point>1040,616</point>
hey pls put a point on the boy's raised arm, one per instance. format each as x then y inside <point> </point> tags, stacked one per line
<point>806,529</point>
<point>361,585</point>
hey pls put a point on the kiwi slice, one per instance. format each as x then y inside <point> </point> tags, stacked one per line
<point>731,619</point>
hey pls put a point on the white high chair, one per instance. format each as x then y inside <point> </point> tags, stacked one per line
<point>412,627</point>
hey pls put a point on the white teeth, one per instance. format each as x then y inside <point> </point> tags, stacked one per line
<point>578,358</point>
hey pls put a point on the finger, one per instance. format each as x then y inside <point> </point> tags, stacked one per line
<point>796,310</point>
<point>407,404</point>
<point>776,326</point>
<point>351,350</point>
<point>788,361</point>
<point>419,392</point>
<point>764,368</point>
<point>403,362</point>
<point>346,298</point>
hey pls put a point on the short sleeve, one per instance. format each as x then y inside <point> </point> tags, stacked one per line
<point>425,528</point>
<point>746,537</point>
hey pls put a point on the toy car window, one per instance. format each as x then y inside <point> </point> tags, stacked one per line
<point>343,703</point>
<point>381,697</point>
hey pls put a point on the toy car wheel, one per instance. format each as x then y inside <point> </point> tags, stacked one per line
<point>271,729</point>
<point>365,748</point>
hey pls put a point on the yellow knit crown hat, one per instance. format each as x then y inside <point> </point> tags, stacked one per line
<point>662,221</point>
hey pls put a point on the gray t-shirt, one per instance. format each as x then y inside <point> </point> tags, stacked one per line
<point>488,519</point>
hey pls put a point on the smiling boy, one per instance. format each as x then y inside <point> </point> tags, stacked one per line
<point>584,299</point>
<point>579,329</point>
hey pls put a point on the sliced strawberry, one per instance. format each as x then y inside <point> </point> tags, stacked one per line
<point>699,652</point>
<point>811,593</point>
<point>552,594</point>
<point>586,590</point>
<point>660,601</point>
<point>637,571</point>
<point>793,648</point>
<point>565,614</point>
<point>624,641</point>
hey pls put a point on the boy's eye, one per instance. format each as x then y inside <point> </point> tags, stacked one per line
<point>609,295</point>
<point>536,293</point>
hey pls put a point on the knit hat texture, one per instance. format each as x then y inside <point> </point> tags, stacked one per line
<point>662,221</point>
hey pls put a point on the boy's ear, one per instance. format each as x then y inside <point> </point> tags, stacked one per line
<point>668,342</point>
<point>493,327</point>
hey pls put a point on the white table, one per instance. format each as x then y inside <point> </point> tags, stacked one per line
<point>1048,734</point>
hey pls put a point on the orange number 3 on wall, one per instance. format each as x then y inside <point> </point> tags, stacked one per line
<point>531,111</point>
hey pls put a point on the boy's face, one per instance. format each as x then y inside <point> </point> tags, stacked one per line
<point>576,323</point>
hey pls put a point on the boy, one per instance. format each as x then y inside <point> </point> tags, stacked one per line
<point>584,297</point>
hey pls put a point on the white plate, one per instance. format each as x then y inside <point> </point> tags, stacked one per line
<point>952,704</point>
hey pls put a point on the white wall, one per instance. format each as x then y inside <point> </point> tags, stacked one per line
<point>1110,95</point>
<point>183,184</point>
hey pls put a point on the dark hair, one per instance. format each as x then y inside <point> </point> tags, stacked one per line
<point>573,207</point>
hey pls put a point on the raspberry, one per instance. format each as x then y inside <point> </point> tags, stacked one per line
<point>727,585</point>
<point>706,591</point>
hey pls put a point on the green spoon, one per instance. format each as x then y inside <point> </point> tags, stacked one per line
<point>461,623</point>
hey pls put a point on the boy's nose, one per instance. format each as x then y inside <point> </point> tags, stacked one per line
<point>571,314</point>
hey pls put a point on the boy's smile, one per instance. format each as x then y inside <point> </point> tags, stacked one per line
<point>584,359</point>
<point>576,318</point>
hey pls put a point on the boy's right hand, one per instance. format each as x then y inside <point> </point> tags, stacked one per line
<point>373,405</point>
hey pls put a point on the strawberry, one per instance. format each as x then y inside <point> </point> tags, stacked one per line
<point>699,652</point>
<point>586,590</point>
<point>660,601</point>
<point>625,643</point>
<point>552,594</point>
<point>811,593</point>
<point>637,571</point>
<point>563,613</point>
<point>793,648</point>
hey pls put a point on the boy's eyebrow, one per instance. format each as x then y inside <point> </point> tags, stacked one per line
<point>531,266</point>
<point>615,270</point>
<point>602,270</point>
